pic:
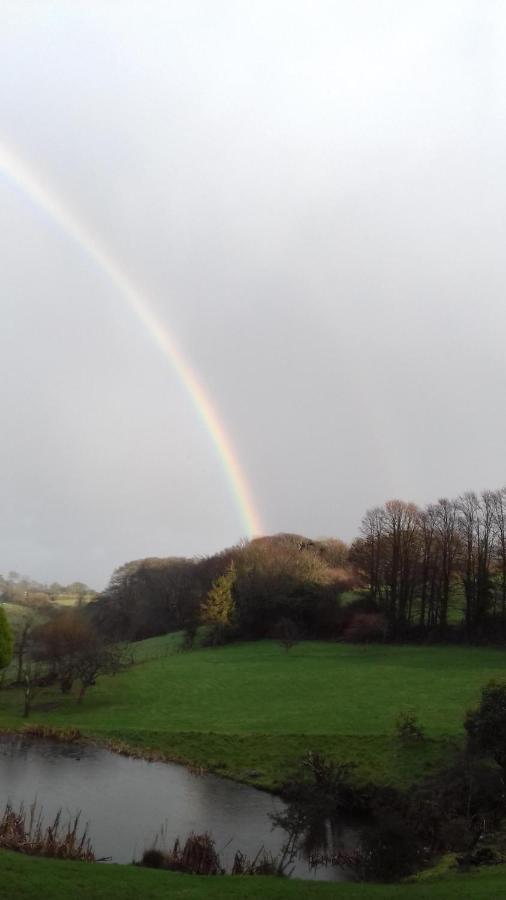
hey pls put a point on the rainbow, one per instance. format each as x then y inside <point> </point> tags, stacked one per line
<point>23,176</point>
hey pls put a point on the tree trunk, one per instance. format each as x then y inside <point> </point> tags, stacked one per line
<point>82,692</point>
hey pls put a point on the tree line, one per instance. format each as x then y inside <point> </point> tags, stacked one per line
<point>419,562</point>
<point>437,572</point>
<point>275,578</point>
<point>25,591</point>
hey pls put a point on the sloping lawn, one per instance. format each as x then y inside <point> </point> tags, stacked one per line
<point>256,707</point>
<point>27,878</point>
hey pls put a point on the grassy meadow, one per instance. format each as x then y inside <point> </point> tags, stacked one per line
<point>250,711</point>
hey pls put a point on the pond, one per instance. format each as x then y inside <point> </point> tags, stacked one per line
<point>127,801</point>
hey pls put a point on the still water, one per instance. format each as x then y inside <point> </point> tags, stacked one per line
<point>127,801</point>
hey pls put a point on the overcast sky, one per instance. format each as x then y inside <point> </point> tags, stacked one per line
<point>313,197</point>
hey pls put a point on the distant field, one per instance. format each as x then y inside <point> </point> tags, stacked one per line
<point>72,599</point>
<point>456,606</point>
<point>17,612</point>
<point>27,878</point>
<point>256,708</point>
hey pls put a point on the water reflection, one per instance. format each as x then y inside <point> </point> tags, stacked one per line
<point>126,801</point>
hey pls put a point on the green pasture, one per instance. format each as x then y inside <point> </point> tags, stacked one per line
<point>251,710</point>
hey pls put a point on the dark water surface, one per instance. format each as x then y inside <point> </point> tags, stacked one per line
<point>127,801</point>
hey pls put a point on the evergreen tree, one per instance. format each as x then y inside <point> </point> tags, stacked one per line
<point>217,608</point>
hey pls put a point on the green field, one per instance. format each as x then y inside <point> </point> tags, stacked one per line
<point>251,710</point>
<point>17,612</point>
<point>26,878</point>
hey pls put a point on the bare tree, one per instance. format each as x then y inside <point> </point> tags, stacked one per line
<point>99,659</point>
<point>476,524</point>
<point>448,540</point>
<point>32,677</point>
<point>22,643</point>
<point>373,530</point>
<point>428,565</point>
<point>72,650</point>
<point>401,557</point>
<point>498,501</point>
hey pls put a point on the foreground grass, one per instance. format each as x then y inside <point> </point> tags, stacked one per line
<point>251,710</point>
<point>27,878</point>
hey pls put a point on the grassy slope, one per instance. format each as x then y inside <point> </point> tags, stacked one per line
<point>255,707</point>
<point>25,878</point>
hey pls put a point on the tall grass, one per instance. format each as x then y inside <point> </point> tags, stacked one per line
<point>198,856</point>
<point>47,732</point>
<point>26,832</point>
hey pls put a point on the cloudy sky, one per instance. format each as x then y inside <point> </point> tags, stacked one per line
<point>312,197</point>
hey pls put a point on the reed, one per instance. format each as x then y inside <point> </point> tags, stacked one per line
<point>47,732</point>
<point>25,831</point>
<point>263,863</point>
<point>198,856</point>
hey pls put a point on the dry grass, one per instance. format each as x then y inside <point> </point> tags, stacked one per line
<point>47,732</point>
<point>25,831</point>
<point>263,863</point>
<point>198,856</point>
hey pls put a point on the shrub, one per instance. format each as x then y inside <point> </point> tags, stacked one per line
<point>486,725</point>
<point>287,633</point>
<point>189,634</point>
<point>365,627</point>
<point>198,856</point>
<point>408,728</point>
<point>390,850</point>
<point>451,808</point>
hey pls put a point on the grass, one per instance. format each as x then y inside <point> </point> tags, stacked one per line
<point>17,612</point>
<point>251,710</point>
<point>26,878</point>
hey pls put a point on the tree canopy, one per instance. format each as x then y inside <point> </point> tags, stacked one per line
<point>6,640</point>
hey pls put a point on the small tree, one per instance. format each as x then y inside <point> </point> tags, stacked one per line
<point>72,650</point>
<point>31,679</point>
<point>99,659</point>
<point>408,728</point>
<point>287,633</point>
<point>486,725</point>
<point>190,632</point>
<point>217,608</point>
<point>61,644</point>
<point>21,645</point>
<point>6,640</point>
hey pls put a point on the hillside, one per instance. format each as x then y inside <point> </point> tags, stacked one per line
<point>255,707</point>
